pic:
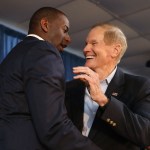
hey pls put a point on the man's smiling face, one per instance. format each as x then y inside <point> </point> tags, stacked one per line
<point>97,53</point>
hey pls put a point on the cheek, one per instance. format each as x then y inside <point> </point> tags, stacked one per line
<point>58,38</point>
<point>58,34</point>
<point>61,36</point>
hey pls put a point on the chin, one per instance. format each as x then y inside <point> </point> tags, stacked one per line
<point>60,49</point>
<point>88,65</point>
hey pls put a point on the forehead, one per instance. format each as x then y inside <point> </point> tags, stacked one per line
<point>96,33</point>
<point>63,20</point>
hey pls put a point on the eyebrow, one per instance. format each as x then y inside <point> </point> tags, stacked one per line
<point>92,41</point>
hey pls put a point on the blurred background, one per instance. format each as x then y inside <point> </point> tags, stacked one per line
<point>132,16</point>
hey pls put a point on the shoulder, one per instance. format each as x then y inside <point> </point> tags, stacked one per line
<point>136,83</point>
<point>137,79</point>
<point>128,76</point>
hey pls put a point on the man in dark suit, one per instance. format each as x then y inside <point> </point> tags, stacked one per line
<point>32,110</point>
<point>109,106</point>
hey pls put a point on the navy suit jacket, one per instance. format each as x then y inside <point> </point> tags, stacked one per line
<point>32,111</point>
<point>124,124</point>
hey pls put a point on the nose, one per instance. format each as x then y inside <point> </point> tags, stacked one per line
<point>68,38</point>
<point>86,48</point>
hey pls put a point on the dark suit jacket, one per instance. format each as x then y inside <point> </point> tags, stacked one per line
<point>124,124</point>
<point>32,110</point>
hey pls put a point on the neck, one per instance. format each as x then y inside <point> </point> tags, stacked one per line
<point>105,72</point>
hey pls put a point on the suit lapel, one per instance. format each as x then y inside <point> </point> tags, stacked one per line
<point>115,87</point>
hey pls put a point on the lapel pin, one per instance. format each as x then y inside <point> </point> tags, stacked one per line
<point>115,94</point>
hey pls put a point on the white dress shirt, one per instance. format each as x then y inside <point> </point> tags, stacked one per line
<point>90,106</point>
<point>36,36</point>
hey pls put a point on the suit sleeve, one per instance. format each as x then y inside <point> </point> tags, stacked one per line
<point>44,87</point>
<point>132,123</point>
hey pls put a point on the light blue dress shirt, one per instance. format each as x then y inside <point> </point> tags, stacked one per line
<point>90,106</point>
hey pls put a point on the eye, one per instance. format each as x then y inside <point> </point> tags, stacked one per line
<point>66,29</point>
<point>94,43</point>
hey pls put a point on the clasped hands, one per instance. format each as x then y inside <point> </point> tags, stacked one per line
<point>92,81</point>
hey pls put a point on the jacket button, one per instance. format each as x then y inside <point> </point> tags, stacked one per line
<point>108,120</point>
<point>114,124</point>
<point>111,122</point>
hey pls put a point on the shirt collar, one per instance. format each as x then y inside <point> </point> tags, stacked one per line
<point>36,36</point>
<point>109,78</point>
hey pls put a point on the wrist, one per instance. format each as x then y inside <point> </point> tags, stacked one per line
<point>103,102</point>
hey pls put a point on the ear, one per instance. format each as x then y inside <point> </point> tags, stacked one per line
<point>44,24</point>
<point>116,50</point>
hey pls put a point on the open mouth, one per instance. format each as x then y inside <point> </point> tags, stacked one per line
<point>63,45</point>
<point>89,57</point>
